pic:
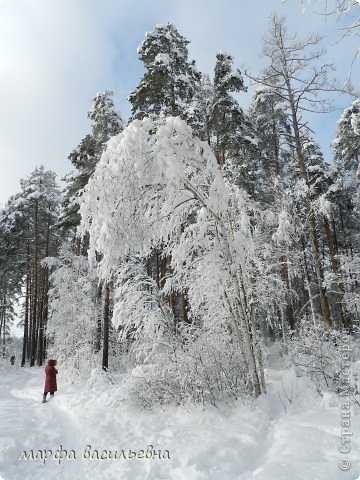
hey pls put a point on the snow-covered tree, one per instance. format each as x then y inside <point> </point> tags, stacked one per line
<point>347,141</point>
<point>199,111</point>
<point>29,218</point>
<point>170,79</point>
<point>71,330</point>
<point>105,122</point>
<point>41,198</point>
<point>233,138</point>
<point>294,74</point>
<point>269,112</point>
<point>158,175</point>
<point>227,118</point>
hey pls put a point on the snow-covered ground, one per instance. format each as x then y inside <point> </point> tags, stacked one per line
<point>290,434</point>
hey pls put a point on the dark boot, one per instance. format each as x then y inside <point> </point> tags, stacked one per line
<point>52,395</point>
<point>44,398</point>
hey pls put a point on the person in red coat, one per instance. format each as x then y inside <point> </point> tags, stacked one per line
<point>50,379</point>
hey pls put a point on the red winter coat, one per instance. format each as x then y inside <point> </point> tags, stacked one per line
<point>50,380</point>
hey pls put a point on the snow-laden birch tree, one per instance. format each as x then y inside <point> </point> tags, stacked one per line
<point>158,185</point>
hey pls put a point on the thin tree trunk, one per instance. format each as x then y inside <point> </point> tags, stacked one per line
<point>324,303</point>
<point>105,359</point>
<point>183,310</point>
<point>43,305</point>
<point>98,302</point>
<point>3,313</point>
<point>331,241</point>
<point>25,348</point>
<point>2,324</point>
<point>40,337</point>
<point>97,346</point>
<point>310,216</point>
<point>42,317</point>
<point>35,284</point>
<point>30,314</point>
<point>288,308</point>
<point>247,335</point>
<point>308,286</point>
<point>45,317</point>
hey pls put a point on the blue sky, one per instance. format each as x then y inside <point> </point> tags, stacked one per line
<point>56,55</point>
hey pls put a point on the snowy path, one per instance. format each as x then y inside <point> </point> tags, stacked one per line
<point>288,435</point>
<point>27,424</point>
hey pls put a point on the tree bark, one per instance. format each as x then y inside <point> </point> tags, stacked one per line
<point>105,358</point>
<point>35,284</point>
<point>25,348</point>
<point>331,241</point>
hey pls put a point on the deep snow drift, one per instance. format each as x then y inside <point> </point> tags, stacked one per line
<point>290,434</point>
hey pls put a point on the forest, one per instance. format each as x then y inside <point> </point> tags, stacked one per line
<point>193,243</point>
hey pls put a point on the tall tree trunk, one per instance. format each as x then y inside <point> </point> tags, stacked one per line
<point>35,284</point>
<point>97,344</point>
<point>25,348</point>
<point>324,303</point>
<point>246,335</point>
<point>308,287</point>
<point>98,302</point>
<point>310,214</point>
<point>42,316</point>
<point>105,359</point>
<point>183,307</point>
<point>331,241</point>
<point>287,311</point>
<point>3,322</point>
<point>40,336</point>
<point>45,313</point>
<point>44,298</point>
<point>30,315</point>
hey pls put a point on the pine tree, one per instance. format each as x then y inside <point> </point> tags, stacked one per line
<point>232,138</point>
<point>274,182</point>
<point>41,200</point>
<point>227,117</point>
<point>11,262</point>
<point>199,111</point>
<point>322,182</point>
<point>347,141</point>
<point>29,218</point>
<point>269,113</point>
<point>167,88</point>
<point>345,196</point>
<point>106,122</point>
<point>170,80</point>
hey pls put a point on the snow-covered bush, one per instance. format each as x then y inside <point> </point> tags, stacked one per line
<point>174,365</point>
<point>202,367</point>
<point>100,379</point>
<point>319,354</point>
